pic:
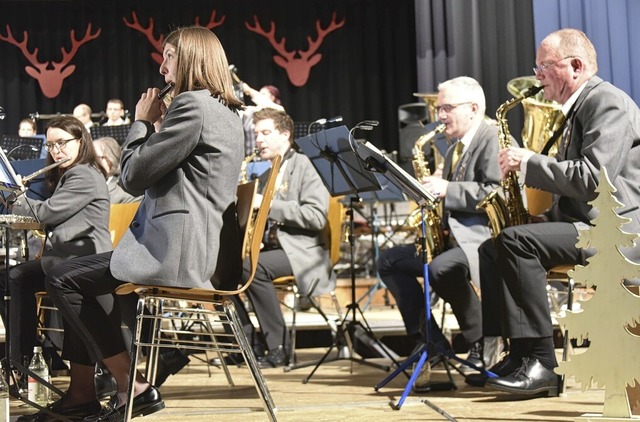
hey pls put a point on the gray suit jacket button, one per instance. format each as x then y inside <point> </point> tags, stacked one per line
<point>135,224</point>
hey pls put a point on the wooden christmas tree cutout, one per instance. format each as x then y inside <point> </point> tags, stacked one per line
<point>611,361</point>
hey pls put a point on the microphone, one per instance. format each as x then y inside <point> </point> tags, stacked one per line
<point>2,113</point>
<point>323,122</point>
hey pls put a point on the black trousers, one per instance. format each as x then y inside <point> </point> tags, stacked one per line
<point>25,280</point>
<point>449,277</point>
<point>82,289</point>
<point>513,277</point>
<point>271,265</point>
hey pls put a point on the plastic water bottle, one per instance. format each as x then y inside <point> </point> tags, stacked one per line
<point>37,392</point>
<point>4,399</point>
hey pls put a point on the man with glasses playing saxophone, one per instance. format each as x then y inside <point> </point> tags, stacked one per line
<point>602,129</point>
<point>470,172</point>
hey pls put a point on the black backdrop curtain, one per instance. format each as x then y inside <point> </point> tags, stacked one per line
<point>489,40</point>
<point>368,67</point>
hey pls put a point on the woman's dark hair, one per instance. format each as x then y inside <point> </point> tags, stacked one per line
<point>86,152</point>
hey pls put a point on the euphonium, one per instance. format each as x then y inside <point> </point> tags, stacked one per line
<point>433,223</point>
<point>510,210</point>
<point>541,117</point>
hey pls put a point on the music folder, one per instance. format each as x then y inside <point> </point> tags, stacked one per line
<point>332,154</point>
<point>376,161</point>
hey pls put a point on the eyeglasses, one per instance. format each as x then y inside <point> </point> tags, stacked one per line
<point>60,144</point>
<point>544,66</point>
<point>448,108</point>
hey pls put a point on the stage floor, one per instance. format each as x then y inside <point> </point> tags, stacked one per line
<point>339,391</point>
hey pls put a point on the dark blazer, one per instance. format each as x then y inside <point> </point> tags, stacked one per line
<point>300,208</point>
<point>76,216</point>
<point>185,232</point>
<point>476,175</point>
<point>604,132</point>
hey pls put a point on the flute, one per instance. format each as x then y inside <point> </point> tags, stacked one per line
<point>164,91</point>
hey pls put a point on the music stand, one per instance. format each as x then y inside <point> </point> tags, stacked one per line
<point>119,132</point>
<point>388,193</point>
<point>22,148</point>
<point>333,157</point>
<point>376,161</point>
<point>9,183</point>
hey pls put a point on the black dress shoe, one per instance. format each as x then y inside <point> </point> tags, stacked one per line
<point>144,404</point>
<point>474,358</point>
<point>170,362</point>
<point>106,385</point>
<point>76,413</point>
<point>276,358</point>
<point>501,369</point>
<point>532,378</point>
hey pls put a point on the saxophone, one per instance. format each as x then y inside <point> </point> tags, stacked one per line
<point>433,223</point>
<point>243,167</point>
<point>510,210</point>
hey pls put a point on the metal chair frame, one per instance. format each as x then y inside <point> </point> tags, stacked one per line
<point>212,309</point>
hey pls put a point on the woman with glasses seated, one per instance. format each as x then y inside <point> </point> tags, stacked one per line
<point>75,219</point>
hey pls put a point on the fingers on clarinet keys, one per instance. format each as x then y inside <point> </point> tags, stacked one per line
<point>531,378</point>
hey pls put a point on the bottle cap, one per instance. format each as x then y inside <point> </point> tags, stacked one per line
<point>37,349</point>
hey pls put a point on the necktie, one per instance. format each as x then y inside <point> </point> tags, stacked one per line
<point>566,135</point>
<point>457,153</point>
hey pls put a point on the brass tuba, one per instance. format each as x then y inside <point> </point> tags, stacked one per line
<point>510,210</point>
<point>541,117</point>
<point>433,223</point>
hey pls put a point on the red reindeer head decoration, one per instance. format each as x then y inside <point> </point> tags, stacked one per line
<point>297,63</point>
<point>157,42</point>
<point>50,75</point>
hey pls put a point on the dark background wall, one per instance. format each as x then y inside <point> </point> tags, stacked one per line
<point>368,67</point>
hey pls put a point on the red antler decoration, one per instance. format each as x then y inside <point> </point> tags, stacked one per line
<point>297,68</point>
<point>50,79</point>
<point>157,42</point>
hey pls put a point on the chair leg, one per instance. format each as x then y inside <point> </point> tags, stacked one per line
<point>250,359</point>
<point>292,339</point>
<point>135,354</point>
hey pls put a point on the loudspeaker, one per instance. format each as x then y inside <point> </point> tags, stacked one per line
<point>408,137</point>
<point>411,120</point>
<point>412,114</point>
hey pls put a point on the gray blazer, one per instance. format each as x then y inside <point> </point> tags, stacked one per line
<point>604,132</point>
<point>117,194</point>
<point>476,175</point>
<point>76,216</point>
<point>185,232</point>
<point>300,209</point>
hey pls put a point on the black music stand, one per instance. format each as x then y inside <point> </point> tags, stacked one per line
<point>119,132</point>
<point>376,161</point>
<point>9,183</point>
<point>331,153</point>
<point>388,193</point>
<point>22,148</point>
